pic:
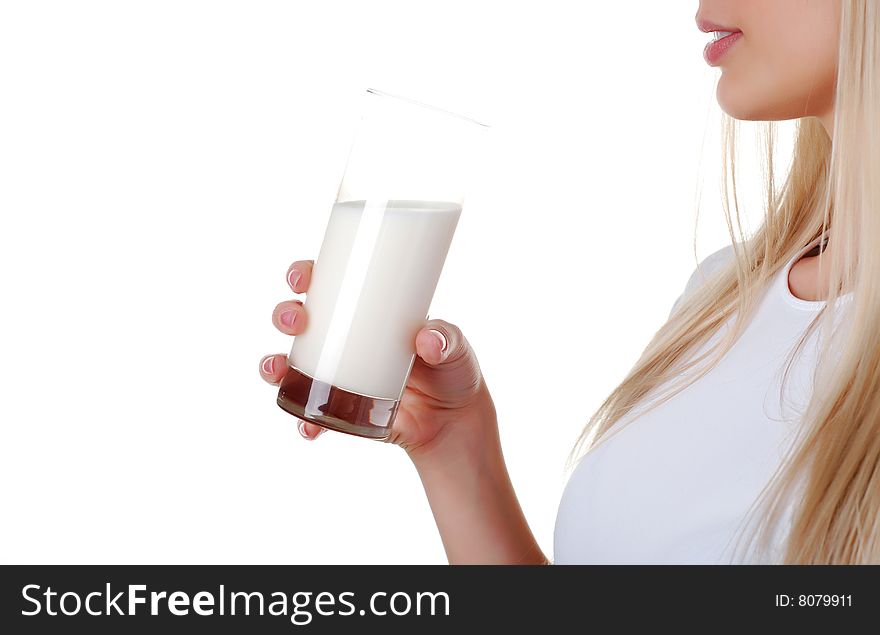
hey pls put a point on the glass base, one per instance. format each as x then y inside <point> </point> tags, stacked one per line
<point>335,408</point>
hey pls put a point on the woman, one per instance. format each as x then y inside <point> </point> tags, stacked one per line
<point>758,430</point>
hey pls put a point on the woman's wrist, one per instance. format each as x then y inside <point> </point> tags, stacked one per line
<point>473,501</point>
<point>476,510</point>
<point>470,433</point>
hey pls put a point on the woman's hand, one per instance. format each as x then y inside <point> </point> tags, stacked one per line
<point>446,422</point>
<point>445,402</point>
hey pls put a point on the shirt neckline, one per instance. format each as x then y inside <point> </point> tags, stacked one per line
<point>785,290</point>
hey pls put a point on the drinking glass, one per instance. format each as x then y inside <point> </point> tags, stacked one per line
<point>384,247</point>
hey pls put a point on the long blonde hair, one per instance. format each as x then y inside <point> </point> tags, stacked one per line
<point>833,470</point>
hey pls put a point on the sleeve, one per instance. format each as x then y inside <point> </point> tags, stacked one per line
<point>705,268</point>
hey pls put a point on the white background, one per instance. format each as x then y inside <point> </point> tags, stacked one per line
<point>161,165</point>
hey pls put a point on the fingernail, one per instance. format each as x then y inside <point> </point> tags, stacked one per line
<point>269,365</point>
<point>288,318</point>
<point>440,338</point>
<point>293,277</point>
<point>301,426</point>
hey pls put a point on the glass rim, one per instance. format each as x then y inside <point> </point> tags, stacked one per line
<point>382,93</point>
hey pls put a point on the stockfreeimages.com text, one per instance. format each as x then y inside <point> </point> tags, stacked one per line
<point>300,606</point>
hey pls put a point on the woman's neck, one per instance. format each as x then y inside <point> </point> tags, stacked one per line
<point>803,279</point>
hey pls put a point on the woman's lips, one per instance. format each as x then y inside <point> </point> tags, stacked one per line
<point>717,48</point>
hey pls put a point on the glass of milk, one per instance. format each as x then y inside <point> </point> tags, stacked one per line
<point>384,247</point>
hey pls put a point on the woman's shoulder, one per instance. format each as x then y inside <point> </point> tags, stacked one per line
<point>704,270</point>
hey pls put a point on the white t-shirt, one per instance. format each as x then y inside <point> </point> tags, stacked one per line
<point>675,485</point>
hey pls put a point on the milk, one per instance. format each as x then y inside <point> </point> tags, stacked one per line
<point>371,288</point>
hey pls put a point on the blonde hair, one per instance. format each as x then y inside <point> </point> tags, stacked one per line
<point>833,470</point>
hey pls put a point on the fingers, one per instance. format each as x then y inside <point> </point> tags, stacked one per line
<point>272,369</point>
<point>308,430</point>
<point>289,317</point>
<point>299,275</point>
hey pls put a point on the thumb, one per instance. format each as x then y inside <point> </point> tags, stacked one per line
<point>446,367</point>
<point>439,342</point>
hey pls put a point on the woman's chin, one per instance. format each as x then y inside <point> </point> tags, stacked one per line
<point>735,103</point>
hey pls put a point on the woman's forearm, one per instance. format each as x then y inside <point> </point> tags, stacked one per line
<point>473,501</point>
